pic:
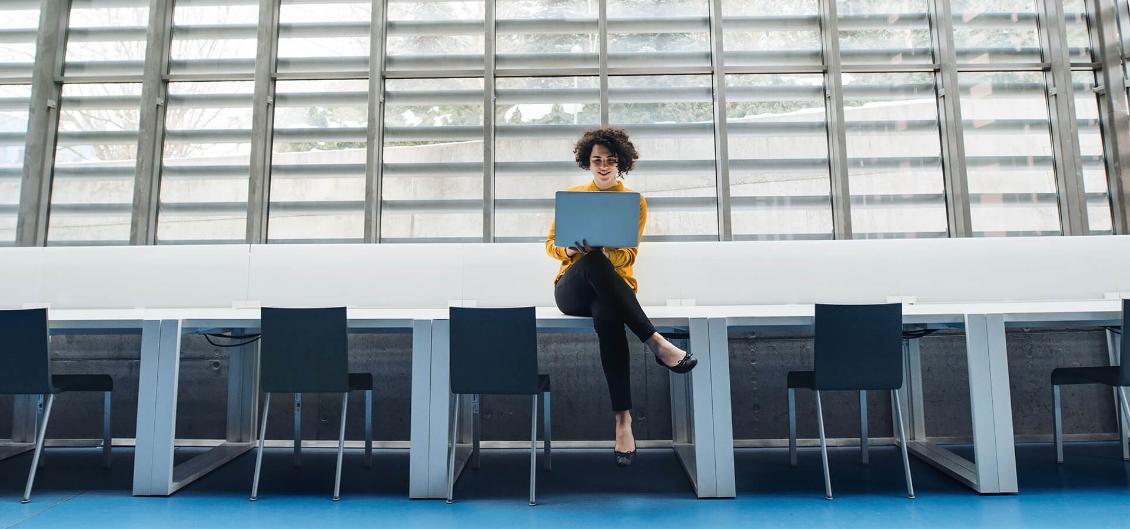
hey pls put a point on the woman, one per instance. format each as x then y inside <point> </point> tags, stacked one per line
<point>598,282</point>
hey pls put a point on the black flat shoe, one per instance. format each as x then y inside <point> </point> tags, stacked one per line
<point>684,366</point>
<point>624,459</point>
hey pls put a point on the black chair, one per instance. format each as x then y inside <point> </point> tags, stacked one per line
<point>1117,377</point>
<point>303,351</point>
<point>857,348</point>
<point>494,351</point>
<point>25,369</point>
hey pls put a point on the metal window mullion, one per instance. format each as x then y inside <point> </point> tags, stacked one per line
<point>262,122</point>
<point>43,119</point>
<point>1061,116</point>
<point>602,27</point>
<point>837,138</point>
<point>955,178</point>
<point>1113,111</point>
<point>374,153</point>
<point>488,122</point>
<point>721,137</point>
<point>150,137</point>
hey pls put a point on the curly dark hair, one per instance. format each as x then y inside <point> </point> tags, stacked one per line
<point>615,140</point>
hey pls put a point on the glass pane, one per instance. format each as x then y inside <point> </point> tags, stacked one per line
<point>14,103</point>
<point>894,156</point>
<point>318,161</point>
<point>1008,154</point>
<point>1078,38</point>
<point>316,35</point>
<point>433,160</point>
<point>884,31</point>
<point>214,37</point>
<point>778,145</point>
<point>1091,153</point>
<point>658,33</point>
<point>205,168</point>
<point>106,37</point>
<point>19,24</point>
<point>537,121</point>
<point>671,122</point>
<point>1001,31</point>
<point>546,34</point>
<point>434,35</point>
<point>95,164</point>
<point>763,33</point>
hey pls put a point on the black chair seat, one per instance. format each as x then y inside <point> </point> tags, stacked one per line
<point>801,379</point>
<point>360,381</point>
<point>82,383</point>
<point>543,383</point>
<point>1065,376</point>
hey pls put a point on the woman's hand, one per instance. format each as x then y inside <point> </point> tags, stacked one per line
<point>580,247</point>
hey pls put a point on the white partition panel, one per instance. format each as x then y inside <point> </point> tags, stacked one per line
<point>143,276</point>
<point>21,271</point>
<point>382,275</point>
<point>507,275</point>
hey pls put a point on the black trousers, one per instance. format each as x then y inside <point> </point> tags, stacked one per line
<point>591,287</point>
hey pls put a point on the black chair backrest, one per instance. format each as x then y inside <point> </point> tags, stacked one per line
<point>25,359</point>
<point>494,351</point>
<point>858,346</point>
<point>304,351</point>
<point>1124,354</point>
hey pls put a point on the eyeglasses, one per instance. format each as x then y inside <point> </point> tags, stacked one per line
<point>607,162</point>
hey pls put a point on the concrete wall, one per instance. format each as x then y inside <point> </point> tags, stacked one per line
<point>580,403</point>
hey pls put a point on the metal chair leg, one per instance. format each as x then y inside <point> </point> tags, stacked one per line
<point>823,447</point>
<point>340,446</point>
<point>1125,408</point>
<point>451,448</point>
<point>39,418</point>
<point>39,437</point>
<point>259,453</point>
<point>863,440</point>
<point>297,429</point>
<point>368,428</point>
<point>546,432</point>
<point>533,448</point>
<point>902,444</point>
<point>476,430</point>
<point>107,434</point>
<point>1122,424</point>
<point>792,426</point>
<point>1057,423</point>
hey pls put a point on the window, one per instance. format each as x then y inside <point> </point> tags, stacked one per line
<point>546,34</point>
<point>205,165</point>
<point>19,24</point>
<point>894,155</point>
<point>778,145</point>
<point>670,121</point>
<point>433,160</point>
<point>1012,189</point>
<point>211,37</point>
<point>106,37</point>
<point>318,162</point>
<point>761,33</point>
<point>435,35</point>
<point>1091,154</point>
<point>1002,31</point>
<point>658,34</point>
<point>888,32</point>
<point>95,164</point>
<point>320,35</point>
<point>13,128</point>
<point>537,122</point>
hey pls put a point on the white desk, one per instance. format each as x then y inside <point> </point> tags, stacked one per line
<point>700,402</point>
<point>994,468</point>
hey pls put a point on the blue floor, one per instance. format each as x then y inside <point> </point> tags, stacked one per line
<point>585,489</point>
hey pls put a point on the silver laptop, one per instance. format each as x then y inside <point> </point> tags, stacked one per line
<point>609,219</point>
